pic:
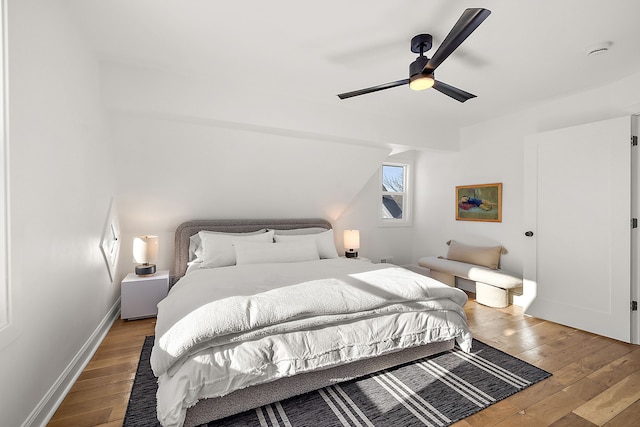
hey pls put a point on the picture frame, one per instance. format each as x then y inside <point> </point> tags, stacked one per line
<point>479,202</point>
<point>110,241</point>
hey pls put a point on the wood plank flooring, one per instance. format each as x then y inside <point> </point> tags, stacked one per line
<point>595,382</point>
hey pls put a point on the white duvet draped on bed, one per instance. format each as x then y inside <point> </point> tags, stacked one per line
<point>228,328</point>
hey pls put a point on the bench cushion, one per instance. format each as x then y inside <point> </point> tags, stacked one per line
<point>473,272</point>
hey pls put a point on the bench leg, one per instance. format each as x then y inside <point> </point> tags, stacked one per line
<point>446,278</point>
<point>491,295</point>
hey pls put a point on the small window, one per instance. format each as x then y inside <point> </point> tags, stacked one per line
<point>110,243</point>
<point>395,194</point>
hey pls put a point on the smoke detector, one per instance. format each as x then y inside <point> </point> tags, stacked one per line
<point>598,48</point>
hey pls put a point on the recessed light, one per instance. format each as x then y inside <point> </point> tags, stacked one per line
<point>598,48</point>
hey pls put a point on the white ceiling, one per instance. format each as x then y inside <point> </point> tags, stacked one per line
<point>525,52</point>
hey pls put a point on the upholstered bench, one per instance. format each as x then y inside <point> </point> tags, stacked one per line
<point>492,284</point>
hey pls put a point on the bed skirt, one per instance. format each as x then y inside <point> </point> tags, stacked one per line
<point>263,394</point>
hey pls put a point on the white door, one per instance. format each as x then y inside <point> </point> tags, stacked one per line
<point>577,205</point>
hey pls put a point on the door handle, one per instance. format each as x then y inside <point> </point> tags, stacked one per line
<point>528,233</point>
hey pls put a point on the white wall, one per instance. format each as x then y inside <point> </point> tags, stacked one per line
<point>170,171</point>
<point>61,183</point>
<point>188,151</point>
<point>364,212</point>
<point>493,152</point>
<point>495,156</point>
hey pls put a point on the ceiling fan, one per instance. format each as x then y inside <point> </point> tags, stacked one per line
<point>421,71</point>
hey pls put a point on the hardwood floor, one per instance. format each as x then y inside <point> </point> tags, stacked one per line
<point>100,395</point>
<point>596,380</point>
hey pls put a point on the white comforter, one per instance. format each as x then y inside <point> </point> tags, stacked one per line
<point>228,328</point>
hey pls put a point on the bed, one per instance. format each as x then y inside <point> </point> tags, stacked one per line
<point>266,309</point>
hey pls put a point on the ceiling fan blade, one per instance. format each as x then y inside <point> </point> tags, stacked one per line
<point>467,23</point>
<point>453,92</point>
<point>373,89</point>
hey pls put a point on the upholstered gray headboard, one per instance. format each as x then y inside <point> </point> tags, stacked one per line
<point>189,228</point>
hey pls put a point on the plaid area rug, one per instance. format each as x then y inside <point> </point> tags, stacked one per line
<point>433,391</point>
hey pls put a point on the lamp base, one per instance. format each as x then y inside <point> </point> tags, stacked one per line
<point>351,254</point>
<point>145,269</point>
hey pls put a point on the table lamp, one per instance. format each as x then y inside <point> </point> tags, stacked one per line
<point>145,252</point>
<point>351,243</point>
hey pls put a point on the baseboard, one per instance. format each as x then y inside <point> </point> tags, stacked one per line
<point>41,415</point>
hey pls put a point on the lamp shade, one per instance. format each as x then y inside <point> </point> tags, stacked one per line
<point>352,239</point>
<point>145,249</point>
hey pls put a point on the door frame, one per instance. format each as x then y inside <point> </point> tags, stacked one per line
<point>635,237</point>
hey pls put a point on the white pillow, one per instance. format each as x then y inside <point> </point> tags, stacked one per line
<point>218,250</point>
<point>259,253</point>
<point>324,242</point>
<point>298,231</point>
<point>195,242</point>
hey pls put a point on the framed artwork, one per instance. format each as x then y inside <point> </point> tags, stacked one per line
<point>481,202</point>
<point>110,241</point>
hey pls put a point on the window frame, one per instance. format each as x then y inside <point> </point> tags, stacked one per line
<point>110,241</point>
<point>407,194</point>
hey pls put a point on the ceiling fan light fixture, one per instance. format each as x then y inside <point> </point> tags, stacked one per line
<point>421,81</point>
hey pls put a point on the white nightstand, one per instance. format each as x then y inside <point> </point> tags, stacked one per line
<point>140,295</point>
<point>358,258</point>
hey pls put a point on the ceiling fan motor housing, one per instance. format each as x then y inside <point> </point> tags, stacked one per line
<point>418,65</point>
